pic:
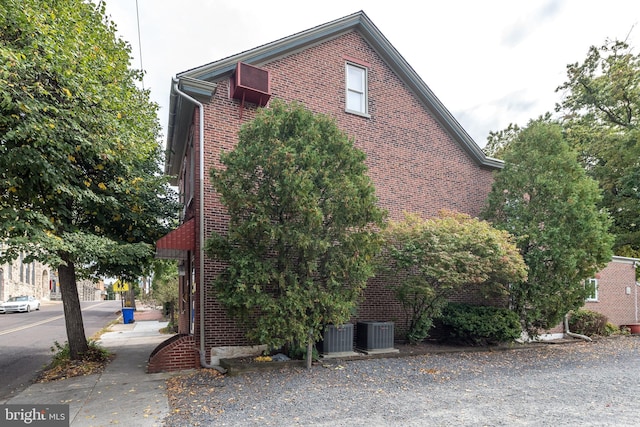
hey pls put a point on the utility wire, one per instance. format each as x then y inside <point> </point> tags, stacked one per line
<point>140,43</point>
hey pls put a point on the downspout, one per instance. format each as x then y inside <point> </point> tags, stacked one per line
<point>201,350</point>
<point>571,334</point>
<point>635,266</point>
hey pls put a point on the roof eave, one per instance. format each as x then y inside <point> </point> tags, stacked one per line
<point>393,58</point>
<point>358,21</point>
<point>265,53</point>
<point>180,114</point>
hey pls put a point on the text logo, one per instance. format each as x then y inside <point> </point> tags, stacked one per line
<point>34,415</point>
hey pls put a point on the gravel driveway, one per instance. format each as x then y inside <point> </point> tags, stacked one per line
<point>577,384</point>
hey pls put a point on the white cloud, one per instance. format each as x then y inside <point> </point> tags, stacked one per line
<point>490,62</point>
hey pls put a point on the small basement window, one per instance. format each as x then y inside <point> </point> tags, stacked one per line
<point>356,82</point>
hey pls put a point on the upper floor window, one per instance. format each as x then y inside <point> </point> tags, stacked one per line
<point>592,287</point>
<point>356,79</point>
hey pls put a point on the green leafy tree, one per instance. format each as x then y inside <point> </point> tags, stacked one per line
<point>165,285</point>
<point>498,142</point>
<point>545,198</point>
<point>601,116</point>
<point>80,184</point>
<point>439,257</point>
<point>302,230</point>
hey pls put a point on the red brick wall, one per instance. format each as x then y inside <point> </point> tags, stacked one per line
<point>176,354</point>
<point>414,164</point>
<point>613,300</point>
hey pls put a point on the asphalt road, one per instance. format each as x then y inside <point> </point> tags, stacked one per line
<point>26,339</point>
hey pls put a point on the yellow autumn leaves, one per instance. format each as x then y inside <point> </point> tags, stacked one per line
<point>101,185</point>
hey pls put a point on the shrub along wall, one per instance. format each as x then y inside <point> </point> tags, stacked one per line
<point>478,325</point>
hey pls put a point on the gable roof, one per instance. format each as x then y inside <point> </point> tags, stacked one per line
<point>194,81</point>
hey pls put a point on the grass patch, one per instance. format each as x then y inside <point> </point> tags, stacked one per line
<point>61,366</point>
<point>103,331</point>
<point>169,329</point>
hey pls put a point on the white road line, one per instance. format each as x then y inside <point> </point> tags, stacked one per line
<point>31,325</point>
<point>42,322</point>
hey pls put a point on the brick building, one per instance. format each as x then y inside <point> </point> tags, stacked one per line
<point>41,281</point>
<point>25,278</point>
<point>615,294</point>
<point>419,157</point>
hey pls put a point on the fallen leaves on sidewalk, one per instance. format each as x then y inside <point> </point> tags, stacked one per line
<point>94,360</point>
<point>72,368</point>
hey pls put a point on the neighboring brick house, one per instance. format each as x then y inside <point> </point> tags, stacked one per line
<point>419,157</point>
<point>615,294</point>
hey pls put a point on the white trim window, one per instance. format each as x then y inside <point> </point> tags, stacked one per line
<point>592,287</point>
<point>356,82</point>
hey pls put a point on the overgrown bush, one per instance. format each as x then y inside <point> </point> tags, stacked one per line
<point>433,259</point>
<point>303,225</point>
<point>479,325</point>
<point>589,323</point>
<point>611,329</point>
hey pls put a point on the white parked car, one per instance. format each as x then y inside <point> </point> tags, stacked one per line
<point>18,304</point>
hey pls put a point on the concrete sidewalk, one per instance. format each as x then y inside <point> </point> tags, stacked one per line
<point>124,393</point>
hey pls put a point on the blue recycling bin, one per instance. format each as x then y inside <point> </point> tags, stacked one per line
<point>127,315</point>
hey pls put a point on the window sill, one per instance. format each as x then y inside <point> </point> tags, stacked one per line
<point>357,113</point>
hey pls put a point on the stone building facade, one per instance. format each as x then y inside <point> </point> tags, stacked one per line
<point>22,278</point>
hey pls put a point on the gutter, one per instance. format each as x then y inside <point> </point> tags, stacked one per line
<point>201,350</point>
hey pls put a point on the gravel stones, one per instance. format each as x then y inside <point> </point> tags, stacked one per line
<point>574,384</point>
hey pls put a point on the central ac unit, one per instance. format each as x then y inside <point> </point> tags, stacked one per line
<point>373,335</point>
<point>336,339</point>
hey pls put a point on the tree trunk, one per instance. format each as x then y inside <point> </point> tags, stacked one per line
<point>310,350</point>
<point>72,311</point>
<point>131,297</point>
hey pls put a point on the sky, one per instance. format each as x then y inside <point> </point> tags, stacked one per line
<point>490,62</point>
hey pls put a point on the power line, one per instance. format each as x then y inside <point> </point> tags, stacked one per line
<point>140,43</point>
